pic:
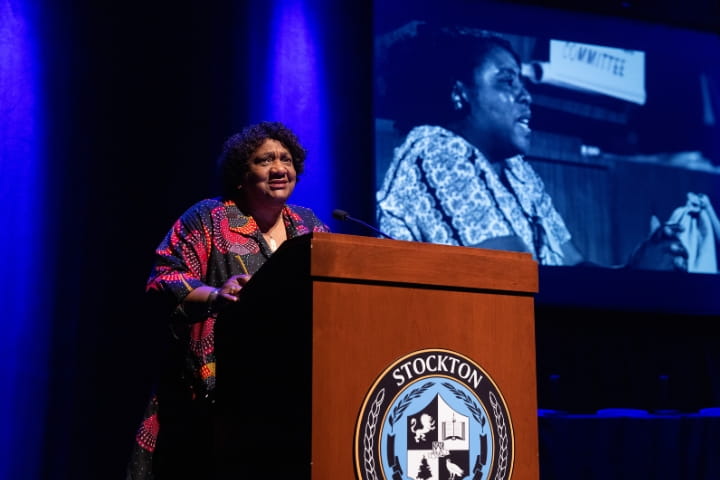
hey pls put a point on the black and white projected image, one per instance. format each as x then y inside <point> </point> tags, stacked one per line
<point>582,140</point>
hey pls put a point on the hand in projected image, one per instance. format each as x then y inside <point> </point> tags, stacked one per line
<point>662,250</point>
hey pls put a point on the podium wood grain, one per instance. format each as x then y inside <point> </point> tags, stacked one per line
<point>333,312</point>
<point>375,300</point>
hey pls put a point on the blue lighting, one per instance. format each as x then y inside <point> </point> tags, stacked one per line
<point>25,246</point>
<point>293,93</point>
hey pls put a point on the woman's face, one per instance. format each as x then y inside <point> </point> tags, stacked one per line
<point>271,176</point>
<point>499,107</point>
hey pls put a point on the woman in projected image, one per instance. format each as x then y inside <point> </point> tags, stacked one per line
<point>459,176</point>
<point>200,267</point>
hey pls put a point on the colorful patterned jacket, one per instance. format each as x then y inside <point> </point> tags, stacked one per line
<point>209,243</point>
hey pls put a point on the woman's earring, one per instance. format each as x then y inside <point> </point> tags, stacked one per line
<point>458,102</point>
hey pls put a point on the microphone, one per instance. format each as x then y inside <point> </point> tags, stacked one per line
<point>343,215</point>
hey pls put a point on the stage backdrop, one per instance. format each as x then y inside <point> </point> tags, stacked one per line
<point>111,117</point>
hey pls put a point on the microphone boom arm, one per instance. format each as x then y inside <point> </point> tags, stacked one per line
<point>343,216</point>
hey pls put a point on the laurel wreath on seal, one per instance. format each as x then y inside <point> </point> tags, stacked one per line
<point>499,420</point>
<point>469,403</point>
<point>372,419</point>
<point>370,426</point>
<point>502,437</point>
<point>400,408</point>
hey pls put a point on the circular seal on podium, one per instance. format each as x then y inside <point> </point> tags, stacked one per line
<point>434,414</point>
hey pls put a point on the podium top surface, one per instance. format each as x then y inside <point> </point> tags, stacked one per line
<point>351,257</point>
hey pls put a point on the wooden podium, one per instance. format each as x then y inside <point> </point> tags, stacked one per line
<point>325,317</point>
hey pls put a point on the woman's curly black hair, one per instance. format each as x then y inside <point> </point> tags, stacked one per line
<point>418,64</point>
<point>234,160</point>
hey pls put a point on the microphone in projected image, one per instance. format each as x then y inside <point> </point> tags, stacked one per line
<point>343,216</point>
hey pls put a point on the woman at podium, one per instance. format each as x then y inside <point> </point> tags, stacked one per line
<point>201,265</point>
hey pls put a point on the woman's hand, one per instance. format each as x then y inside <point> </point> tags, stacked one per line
<point>221,297</point>
<point>231,288</point>
<point>662,251</point>
<point>212,300</point>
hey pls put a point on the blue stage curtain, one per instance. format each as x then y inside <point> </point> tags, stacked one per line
<point>26,246</point>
